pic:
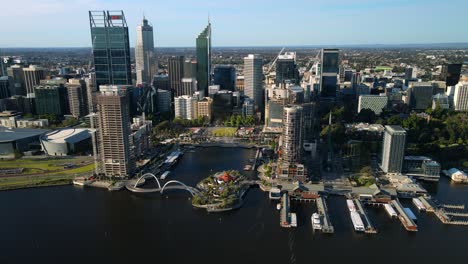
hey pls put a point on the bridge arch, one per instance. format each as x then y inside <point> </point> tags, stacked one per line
<point>144,176</point>
<point>185,187</point>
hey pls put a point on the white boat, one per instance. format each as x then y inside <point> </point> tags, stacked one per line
<point>164,175</point>
<point>419,204</point>
<point>293,220</point>
<point>351,206</point>
<point>278,206</point>
<point>390,211</point>
<point>316,224</point>
<point>357,222</point>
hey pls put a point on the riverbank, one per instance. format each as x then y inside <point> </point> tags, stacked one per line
<point>24,182</point>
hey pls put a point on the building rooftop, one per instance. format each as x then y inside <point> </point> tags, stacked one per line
<point>13,134</point>
<point>393,129</point>
<point>69,135</point>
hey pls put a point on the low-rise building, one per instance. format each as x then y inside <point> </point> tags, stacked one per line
<point>67,141</point>
<point>19,140</point>
<point>376,103</point>
<point>205,108</point>
<point>421,167</point>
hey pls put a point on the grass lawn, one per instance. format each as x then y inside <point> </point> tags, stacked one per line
<point>224,132</point>
<point>32,166</point>
<point>33,181</point>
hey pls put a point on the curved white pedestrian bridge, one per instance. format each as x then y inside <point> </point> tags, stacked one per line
<point>170,185</point>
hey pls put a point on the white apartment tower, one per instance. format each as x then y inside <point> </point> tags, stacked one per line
<point>253,80</point>
<point>460,97</point>
<point>186,107</point>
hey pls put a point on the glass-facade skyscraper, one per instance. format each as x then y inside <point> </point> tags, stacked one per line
<point>146,66</point>
<point>330,70</point>
<point>204,59</point>
<point>225,77</point>
<point>111,48</point>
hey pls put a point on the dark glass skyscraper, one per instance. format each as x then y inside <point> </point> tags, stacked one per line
<point>111,48</point>
<point>225,77</point>
<point>286,68</point>
<point>330,70</point>
<point>451,73</point>
<point>204,59</point>
<point>176,73</point>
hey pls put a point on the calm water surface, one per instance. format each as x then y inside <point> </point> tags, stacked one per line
<point>70,224</point>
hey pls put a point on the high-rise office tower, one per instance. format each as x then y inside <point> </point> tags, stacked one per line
<point>460,97</point>
<point>17,74</point>
<point>6,84</point>
<point>32,76</point>
<point>204,59</point>
<point>225,77</point>
<point>188,87</point>
<point>292,134</point>
<point>164,101</point>
<point>51,98</point>
<point>161,81</point>
<point>77,97</point>
<point>190,68</point>
<point>286,68</point>
<point>176,73</point>
<point>451,73</point>
<point>114,131</point>
<point>146,66</point>
<point>111,48</point>
<point>329,73</point>
<point>393,150</point>
<point>253,80</point>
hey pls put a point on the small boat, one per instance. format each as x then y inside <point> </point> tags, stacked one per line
<point>293,220</point>
<point>316,224</point>
<point>164,175</point>
<point>278,206</point>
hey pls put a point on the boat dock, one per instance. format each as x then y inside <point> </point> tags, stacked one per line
<point>323,211</point>
<point>430,207</point>
<point>285,220</point>
<point>444,215</point>
<point>454,206</point>
<point>369,227</point>
<point>407,222</point>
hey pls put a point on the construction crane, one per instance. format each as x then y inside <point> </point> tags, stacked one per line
<point>144,98</point>
<point>274,62</point>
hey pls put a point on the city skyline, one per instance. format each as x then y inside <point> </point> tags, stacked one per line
<point>243,23</point>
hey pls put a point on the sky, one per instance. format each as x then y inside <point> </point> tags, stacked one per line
<point>60,23</point>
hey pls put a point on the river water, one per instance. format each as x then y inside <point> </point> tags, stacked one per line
<point>71,224</point>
